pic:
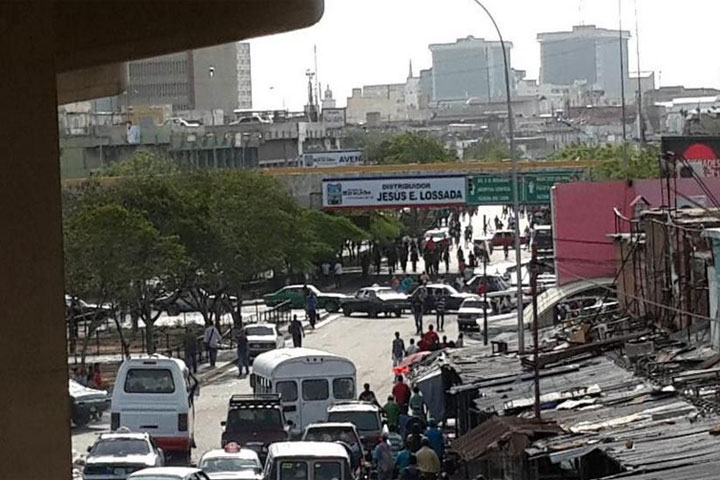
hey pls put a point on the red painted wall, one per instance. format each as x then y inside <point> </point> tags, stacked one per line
<point>583,217</point>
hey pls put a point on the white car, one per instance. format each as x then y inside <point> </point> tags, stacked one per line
<point>263,337</point>
<point>117,455</point>
<point>170,473</point>
<point>231,463</point>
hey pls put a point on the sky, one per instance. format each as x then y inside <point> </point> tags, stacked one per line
<point>365,42</point>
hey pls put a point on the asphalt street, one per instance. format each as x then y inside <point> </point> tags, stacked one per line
<point>366,341</point>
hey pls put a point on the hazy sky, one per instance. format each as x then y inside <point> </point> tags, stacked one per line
<point>362,42</point>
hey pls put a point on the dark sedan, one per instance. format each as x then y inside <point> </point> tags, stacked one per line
<point>375,300</point>
<point>435,291</point>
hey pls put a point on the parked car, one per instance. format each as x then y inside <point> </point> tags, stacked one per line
<point>344,432</point>
<point>255,421</point>
<point>114,456</point>
<point>367,418</point>
<point>231,463</point>
<point>453,298</point>
<point>86,403</point>
<point>375,300</point>
<point>170,473</point>
<point>297,294</point>
<point>263,337</point>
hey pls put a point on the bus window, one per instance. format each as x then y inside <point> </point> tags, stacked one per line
<point>287,390</point>
<point>315,389</point>
<point>344,388</point>
<point>293,471</point>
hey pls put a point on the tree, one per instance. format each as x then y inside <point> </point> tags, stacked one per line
<point>328,233</point>
<point>143,163</point>
<point>488,150</point>
<point>115,254</point>
<point>407,148</point>
<point>641,162</point>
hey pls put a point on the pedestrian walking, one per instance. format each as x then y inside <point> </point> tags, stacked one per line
<point>338,271</point>
<point>418,305</point>
<point>243,352</point>
<point>377,258</point>
<point>365,264</point>
<point>460,255</point>
<point>417,404</point>
<point>404,257</point>
<point>460,342</point>
<point>297,332</point>
<point>435,437</point>
<point>211,338</point>
<point>506,250</point>
<point>401,392</point>
<point>384,459</point>
<point>191,349</point>
<point>471,261</point>
<point>412,347</point>
<point>311,308</point>
<point>428,461</point>
<point>446,259</point>
<point>398,350</point>
<point>440,313</point>
<point>392,413</point>
<point>414,257</point>
<point>368,395</point>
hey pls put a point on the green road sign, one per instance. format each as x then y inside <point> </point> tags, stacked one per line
<point>536,187</point>
<point>488,190</point>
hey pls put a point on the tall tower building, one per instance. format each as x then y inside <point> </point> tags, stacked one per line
<point>587,53</point>
<point>469,68</point>
<point>205,79</point>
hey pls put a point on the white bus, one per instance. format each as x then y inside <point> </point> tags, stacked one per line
<point>308,381</point>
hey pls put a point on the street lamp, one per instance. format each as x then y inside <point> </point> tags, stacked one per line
<point>516,202</point>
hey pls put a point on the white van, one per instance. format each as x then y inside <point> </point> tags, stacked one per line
<point>307,461</point>
<point>308,381</point>
<point>155,394</point>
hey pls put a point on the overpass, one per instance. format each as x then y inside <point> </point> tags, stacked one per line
<point>305,184</point>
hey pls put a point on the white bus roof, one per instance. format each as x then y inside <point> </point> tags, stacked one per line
<point>266,362</point>
<point>308,449</point>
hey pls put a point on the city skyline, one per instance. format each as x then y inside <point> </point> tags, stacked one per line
<point>371,42</point>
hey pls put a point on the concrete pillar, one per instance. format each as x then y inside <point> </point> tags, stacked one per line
<point>34,404</point>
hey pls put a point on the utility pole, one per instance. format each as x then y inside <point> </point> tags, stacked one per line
<point>534,268</point>
<point>622,72</point>
<point>485,304</point>
<point>516,197</point>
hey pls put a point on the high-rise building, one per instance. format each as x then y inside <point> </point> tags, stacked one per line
<point>588,54</point>
<point>205,79</point>
<point>469,68</point>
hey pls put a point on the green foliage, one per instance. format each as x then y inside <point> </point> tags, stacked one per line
<point>406,148</point>
<point>641,162</point>
<point>143,163</point>
<point>488,150</point>
<point>385,228</point>
<point>327,233</point>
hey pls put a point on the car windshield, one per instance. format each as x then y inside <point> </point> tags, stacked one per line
<point>363,421</point>
<point>120,447</point>
<point>331,434</point>
<point>241,419</point>
<point>228,464</point>
<point>259,331</point>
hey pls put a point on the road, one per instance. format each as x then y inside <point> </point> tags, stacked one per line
<point>366,341</point>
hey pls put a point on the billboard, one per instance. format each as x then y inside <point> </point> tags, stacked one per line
<point>394,192</point>
<point>333,117</point>
<point>335,158</point>
<point>693,155</point>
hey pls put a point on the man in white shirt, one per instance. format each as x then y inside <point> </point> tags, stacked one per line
<point>338,270</point>
<point>211,338</point>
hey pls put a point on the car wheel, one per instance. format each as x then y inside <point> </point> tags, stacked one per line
<point>332,307</point>
<point>372,313</point>
<point>346,312</point>
<point>173,310</point>
<point>398,313</point>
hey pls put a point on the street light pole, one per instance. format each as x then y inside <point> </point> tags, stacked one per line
<point>516,198</point>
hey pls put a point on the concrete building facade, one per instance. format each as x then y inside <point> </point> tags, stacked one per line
<point>588,54</point>
<point>469,68</point>
<point>205,79</point>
